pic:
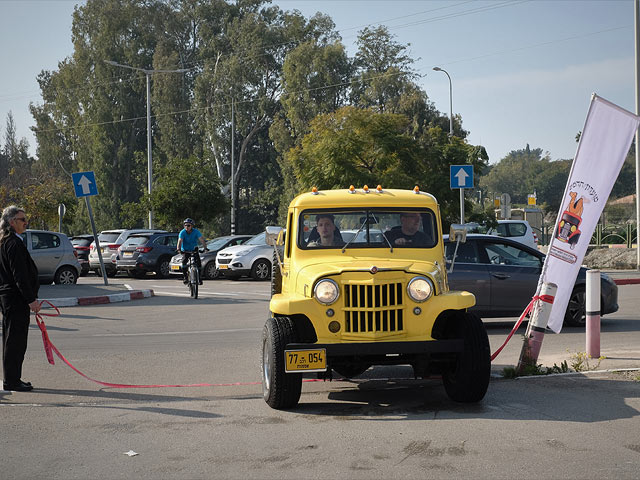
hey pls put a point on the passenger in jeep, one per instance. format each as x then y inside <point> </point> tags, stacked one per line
<point>325,234</point>
<point>408,234</point>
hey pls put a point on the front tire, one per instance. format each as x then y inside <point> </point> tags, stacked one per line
<point>575,314</point>
<point>279,389</point>
<point>163,270</point>
<point>467,378</point>
<point>261,270</point>
<point>193,282</point>
<point>211,272</point>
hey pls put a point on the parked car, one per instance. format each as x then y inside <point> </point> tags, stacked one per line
<point>82,244</point>
<point>54,256</point>
<point>147,252</point>
<point>518,230</point>
<point>252,258</point>
<point>503,275</point>
<point>110,241</point>
<point>208,259</point>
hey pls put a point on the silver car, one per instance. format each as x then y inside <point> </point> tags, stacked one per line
<point>54,255</point>
<point>252,258</point>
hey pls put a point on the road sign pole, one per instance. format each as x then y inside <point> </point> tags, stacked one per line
<point>95,239</point>
<point>462,206</point>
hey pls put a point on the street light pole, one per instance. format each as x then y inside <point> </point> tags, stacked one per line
<point>438,69</point>
<point>148,74</point>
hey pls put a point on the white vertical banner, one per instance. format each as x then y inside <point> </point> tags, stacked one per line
<point>603,147</point>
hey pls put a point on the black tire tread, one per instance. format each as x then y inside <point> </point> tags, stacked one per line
<point>469,379</point>
<point>285,387</point>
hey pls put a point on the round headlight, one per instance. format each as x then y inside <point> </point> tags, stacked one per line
<point>326,291</point>
<point>420,289</point>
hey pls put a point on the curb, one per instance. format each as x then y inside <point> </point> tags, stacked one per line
<point>101,299</point>
<point>627,281</point>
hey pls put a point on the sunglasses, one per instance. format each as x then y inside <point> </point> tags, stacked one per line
<point>188,225</point>
<point>22,219</point>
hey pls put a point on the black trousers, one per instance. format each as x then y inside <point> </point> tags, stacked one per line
<point>15,331</point>
<point>185,260</point>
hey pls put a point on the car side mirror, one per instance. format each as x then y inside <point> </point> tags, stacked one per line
<point>458,233</point>
<point>274,236</point>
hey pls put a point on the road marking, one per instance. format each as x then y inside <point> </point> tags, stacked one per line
<point>228,330</point>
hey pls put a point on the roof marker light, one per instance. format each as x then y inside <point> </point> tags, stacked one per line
<point>379,189</point>
<point>365,189</point>
<point>314,191</point>
<point>352,189</point>
<point>416,189</point>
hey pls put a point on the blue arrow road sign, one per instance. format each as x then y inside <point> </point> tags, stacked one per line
<point>84,184</point>
<point>461,176</point>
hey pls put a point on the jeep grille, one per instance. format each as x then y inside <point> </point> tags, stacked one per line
<point>373,308</point>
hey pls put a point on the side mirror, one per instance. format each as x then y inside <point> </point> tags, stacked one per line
<point>458,233</point>
<point>274,236</point>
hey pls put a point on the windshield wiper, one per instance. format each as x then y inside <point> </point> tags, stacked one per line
<point>354,237</point>
<point>388,242</point>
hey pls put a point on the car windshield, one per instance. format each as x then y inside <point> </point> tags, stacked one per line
<point>217,243</point>
<point>135,241</point>
<point>257,240</point>
<point>375,228</point>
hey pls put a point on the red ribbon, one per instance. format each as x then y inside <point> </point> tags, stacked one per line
<point>544,298</point>
<point>50,349</point>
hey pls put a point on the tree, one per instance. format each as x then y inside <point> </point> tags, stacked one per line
<point>354,146</point>
<point>185,189</point>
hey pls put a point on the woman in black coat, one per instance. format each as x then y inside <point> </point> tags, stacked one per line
<point>18,294</point>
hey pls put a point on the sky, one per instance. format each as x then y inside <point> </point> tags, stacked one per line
<point>522,71</point>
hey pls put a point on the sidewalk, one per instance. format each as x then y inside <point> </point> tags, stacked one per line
<point>623,277</point>
<point>81,294</point>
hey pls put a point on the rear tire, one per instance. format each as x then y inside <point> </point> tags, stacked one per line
<point>276,276</point>
<point>65,276</point>
<point>575,314</point>
<point>467,378</point>
<point>279,389</point>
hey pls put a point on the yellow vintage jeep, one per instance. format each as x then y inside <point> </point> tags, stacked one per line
<point>360,279</point>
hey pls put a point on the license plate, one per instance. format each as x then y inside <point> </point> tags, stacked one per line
<point>127,254</point>
<point>223,267</point>
<point>175,267</point>
<point>305,360</point>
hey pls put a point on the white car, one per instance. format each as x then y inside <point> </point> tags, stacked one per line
<point>252,258</point>
<point>517,230</point>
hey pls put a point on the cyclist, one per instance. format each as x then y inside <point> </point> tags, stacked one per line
<point>188,245</point>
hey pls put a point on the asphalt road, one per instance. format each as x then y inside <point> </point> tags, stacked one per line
<point>384,425</point>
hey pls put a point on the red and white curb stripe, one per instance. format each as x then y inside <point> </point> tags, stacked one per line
<point>100,299</point>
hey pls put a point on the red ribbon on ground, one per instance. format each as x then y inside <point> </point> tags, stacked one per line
<point>544,298</point>
<point>50,349</point>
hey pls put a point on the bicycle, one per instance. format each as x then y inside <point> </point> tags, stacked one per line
<point>193,274</point>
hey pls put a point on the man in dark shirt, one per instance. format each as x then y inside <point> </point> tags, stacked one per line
<point>18,293</point>
<point>409,234</point>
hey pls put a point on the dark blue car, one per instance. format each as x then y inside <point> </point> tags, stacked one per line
<point>147,252</point>
<point>503,275</point>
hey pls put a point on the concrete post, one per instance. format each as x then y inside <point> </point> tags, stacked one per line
<point>592,307</point>
<point>537,326</point>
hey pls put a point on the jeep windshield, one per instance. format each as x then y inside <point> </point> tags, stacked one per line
<point>372,228</point>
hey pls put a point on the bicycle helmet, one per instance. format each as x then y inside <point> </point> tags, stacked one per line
<point>189,220</point>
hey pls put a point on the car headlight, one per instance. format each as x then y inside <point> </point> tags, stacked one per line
<point>326,291</point>
<point>420,289</point>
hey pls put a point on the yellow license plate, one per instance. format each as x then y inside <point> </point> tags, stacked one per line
<point>306,360</point>
<point>175,267</point>
<point>127,254</point>
<point>223,267</point>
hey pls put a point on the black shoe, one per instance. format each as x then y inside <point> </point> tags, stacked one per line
<point>185,281</point>
<point>18,387</point>
<point>200,282</point>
